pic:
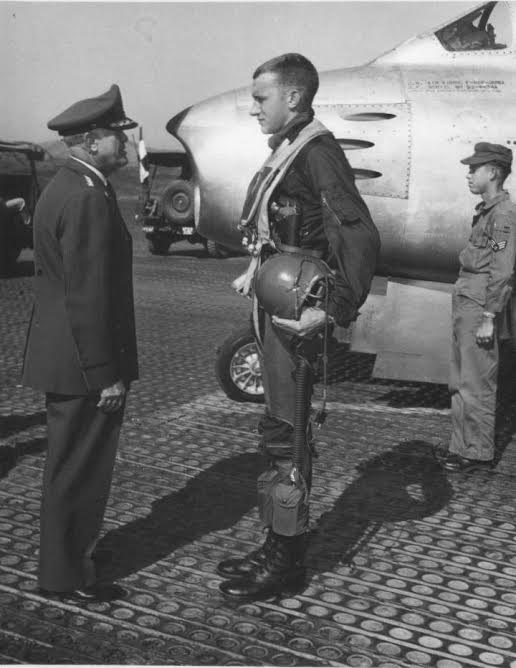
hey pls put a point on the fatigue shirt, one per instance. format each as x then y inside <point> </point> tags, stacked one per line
<point>487,262</point>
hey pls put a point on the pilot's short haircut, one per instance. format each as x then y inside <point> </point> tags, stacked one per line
<point>503,169</point>
<point>293,69</point>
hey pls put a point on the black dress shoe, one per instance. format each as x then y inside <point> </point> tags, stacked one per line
<point>453,463</point>
<point>96,593</point>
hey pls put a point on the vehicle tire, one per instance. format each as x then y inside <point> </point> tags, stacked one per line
<point>214,249</point>
<point>159,246</point>
<point>177,202</point>
<point>237,367</point>
<point>8,258</point>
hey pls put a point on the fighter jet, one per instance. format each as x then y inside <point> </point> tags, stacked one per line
<point>404,120</point>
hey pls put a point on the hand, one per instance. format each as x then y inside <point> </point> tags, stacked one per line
<point>17,203</point>
<point>485,333</point>
<point>112,397</point>
<point>311,321</point>
<point>242,285</point>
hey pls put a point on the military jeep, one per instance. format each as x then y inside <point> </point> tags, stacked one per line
<point>18,180</point>
<point>167,205</point>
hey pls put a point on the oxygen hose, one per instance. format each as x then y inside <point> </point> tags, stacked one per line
<point>299,435</point>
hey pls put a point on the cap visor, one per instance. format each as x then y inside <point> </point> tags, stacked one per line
<point>473,160</point>
<point>125,124</point>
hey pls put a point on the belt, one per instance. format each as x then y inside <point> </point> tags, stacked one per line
<point>285,248</point>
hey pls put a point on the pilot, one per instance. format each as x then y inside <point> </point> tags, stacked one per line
<point>81,345</point>
<point>480,297</point>
<point>302,203</point>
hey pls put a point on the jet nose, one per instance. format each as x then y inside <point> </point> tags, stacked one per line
<point>175,122</point>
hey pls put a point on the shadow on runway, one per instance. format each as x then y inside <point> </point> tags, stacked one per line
<point>358,368</point>
<point>12,424</point>
<point>421,395</point>
<point>10,455</point>
<point>404,483</point>
<point>401,484</point>
<point>215,499</point>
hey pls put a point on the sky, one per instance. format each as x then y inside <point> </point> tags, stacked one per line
<point>166,56</point>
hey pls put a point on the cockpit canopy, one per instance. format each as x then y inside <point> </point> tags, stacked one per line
<point>485,28</point>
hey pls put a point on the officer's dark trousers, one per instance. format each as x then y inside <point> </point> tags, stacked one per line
<point>282,506</point>
<point>473,384</point>
<point>82,443</point>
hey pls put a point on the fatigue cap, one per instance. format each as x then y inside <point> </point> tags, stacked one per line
<point>486,152</point>
<point>103,111</point>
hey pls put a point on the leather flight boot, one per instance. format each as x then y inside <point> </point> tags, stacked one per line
<point>282,572</point>
<point>241,567</point>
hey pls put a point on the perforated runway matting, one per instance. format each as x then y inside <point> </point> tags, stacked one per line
<point>406,566</point>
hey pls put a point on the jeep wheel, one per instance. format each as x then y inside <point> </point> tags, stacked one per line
<point>159,246</point>
<point>237,367</point>
<point>214,249</point>
<point>177,202</point>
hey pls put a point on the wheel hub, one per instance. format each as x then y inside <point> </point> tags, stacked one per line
<point>245,370</point>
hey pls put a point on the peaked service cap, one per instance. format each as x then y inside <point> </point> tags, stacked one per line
<point>486,152</point>
<point>103,111</point>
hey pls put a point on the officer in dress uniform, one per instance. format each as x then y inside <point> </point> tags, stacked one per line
<point>302,210</point>
<point>480,300</point>
<point>81,345</point>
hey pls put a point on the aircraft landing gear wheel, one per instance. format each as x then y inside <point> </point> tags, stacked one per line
<point>214,249</point>
<point>159,246</point>
<point>237,367</point>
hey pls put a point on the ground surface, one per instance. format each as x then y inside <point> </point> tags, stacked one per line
<point>406,567</point>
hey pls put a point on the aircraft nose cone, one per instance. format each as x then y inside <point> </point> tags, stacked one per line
<point>174,123</point>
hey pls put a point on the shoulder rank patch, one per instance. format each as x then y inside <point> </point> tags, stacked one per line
<point>88,180</point>
<point>497,245</point>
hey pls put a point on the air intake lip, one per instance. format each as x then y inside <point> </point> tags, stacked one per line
<point>361,174</point>
<point>173,125</point>
<point>354,144</point>
<point>369,116</point>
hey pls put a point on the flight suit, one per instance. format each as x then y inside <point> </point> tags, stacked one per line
<point>484,284</point>
<point>311,206</point>
<point>81,339</point>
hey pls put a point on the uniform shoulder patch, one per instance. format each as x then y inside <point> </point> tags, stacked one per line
<point>497,245</point>
<point>89,180</point>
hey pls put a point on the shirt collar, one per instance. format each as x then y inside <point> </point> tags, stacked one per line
<point>292,129</point>
<point>93,169</point>
<point>484,206</point>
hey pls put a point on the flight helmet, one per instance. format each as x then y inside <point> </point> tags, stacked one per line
<point>287,282</point>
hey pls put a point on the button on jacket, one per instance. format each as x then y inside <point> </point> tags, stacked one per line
<point>82,332</point>
<point>487,262</point>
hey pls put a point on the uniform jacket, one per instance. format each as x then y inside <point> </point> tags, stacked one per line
<point>82,332</point>
<point>487,262</point>
<point>334,220</point>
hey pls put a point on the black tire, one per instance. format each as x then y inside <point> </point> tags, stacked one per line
<point>237,367</point>
<point>214,249</point>
<point>8,259</point>
<point>159,246</point>
<point>177,202</point>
